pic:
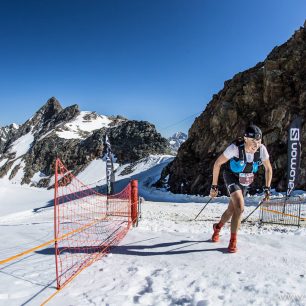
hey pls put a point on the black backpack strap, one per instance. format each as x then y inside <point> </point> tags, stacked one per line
<point>240,144</point>
<point>257,156</point>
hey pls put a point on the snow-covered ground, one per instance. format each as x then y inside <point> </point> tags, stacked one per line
<point>167,260</point>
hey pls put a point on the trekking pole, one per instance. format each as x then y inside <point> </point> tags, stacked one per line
<point>284,208</point>
<point>203,208</point>
<point>260,203</point>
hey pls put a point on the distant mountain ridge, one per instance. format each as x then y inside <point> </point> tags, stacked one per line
<point>176,140</point>
<point>6,133</point>
<point>76,137</point>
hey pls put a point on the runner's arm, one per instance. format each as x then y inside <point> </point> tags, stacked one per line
<point>268,172</point>
<point>216,170</point>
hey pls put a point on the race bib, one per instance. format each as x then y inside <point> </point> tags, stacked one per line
<point>245,179</point>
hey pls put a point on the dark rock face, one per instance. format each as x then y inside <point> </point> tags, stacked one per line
<point>269,95</point>
<point>134,140</point>
<point>43,133</point>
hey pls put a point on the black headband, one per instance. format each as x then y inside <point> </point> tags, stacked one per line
<point>257,136</point>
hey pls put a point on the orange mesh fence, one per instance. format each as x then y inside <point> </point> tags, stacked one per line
<point>86,223</point>
<point>286,211</point>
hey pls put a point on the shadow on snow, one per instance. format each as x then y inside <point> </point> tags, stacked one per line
<point>140,250</point>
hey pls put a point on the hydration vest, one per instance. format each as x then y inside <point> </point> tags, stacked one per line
<point>240,164</point>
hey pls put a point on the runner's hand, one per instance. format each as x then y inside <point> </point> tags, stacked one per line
<point>267,193</point>
<point>213,191</point>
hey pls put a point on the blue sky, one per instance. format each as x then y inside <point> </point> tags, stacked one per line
<point>159,61</point>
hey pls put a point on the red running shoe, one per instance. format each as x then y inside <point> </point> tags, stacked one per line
<point>232,247</point>
<point>215,237</point>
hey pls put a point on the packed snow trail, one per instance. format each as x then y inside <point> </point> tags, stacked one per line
<point>167,260</point>
<point>165,268</point>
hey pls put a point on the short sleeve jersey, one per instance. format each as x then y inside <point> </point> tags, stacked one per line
<point>233,151</point>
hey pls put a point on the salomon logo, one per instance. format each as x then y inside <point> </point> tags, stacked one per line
<point>294,152</point>
<point>294,134</point>
<point>293,160</point>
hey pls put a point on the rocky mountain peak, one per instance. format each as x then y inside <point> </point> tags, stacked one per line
<point>176,141</point>
<point>27,155</point>
<point>47,112</point>
<point>179,135</point>
<point>51,107</point>
<point>6,133</point>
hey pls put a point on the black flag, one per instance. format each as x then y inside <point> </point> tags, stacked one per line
<point>110,176</point>
<point>294,154</point>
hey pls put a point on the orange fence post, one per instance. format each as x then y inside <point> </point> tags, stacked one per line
<point>55,221</point>
<point>134,198</point>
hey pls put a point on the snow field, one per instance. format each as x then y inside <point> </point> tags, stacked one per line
<point>167,260</point>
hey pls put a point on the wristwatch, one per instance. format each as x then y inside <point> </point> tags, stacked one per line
<point>214,188</point>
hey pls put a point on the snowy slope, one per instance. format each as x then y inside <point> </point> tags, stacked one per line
<point>16,198</point>
<point>22,144</point>
<point>85,122</point>
<point>147,171</point>
<point>167,260</point>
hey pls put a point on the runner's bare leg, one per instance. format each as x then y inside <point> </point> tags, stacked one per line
<point>238,204</point>
<point>228,213</point>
